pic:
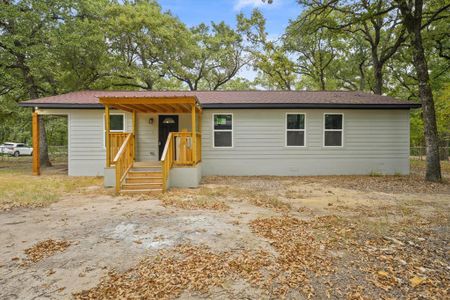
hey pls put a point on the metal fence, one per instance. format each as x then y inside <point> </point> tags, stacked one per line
<point>420,153</point>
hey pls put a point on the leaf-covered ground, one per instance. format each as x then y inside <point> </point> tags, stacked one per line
<point>237,237</point>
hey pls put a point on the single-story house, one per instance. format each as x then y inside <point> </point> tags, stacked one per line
<point>151,140</point>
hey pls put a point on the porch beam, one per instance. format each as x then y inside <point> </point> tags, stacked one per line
<point>136,108</point>
<point>122,107</point>
<point>173,107</point>
<point>147,100</point>
<point>107,139</point>
<point>185,107</point>
<point>149,108</point>
<point>36,149</point>
<point>194,134</point>
<point>161,108</point>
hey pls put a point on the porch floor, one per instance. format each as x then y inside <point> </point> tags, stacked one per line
<point>149,163</point>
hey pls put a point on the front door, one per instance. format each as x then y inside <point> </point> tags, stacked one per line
<point>167,124</point>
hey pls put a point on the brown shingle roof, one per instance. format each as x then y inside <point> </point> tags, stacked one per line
<point>234,99</point>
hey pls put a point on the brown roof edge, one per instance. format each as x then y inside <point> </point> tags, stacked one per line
<point>310,105</point>
<point>230,99</point>
<point>244,105</point>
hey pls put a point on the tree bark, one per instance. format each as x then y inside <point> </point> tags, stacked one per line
<point>43,146</point>
<point>362,79</point>
<point>378,73</point>
<point>34,94</point>
<point>413,23</point>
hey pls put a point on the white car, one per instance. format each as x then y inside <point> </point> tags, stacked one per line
<point>16,149</point>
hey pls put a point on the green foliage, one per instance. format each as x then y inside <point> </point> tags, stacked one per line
<point>56,46</point>
<point>269,58</point>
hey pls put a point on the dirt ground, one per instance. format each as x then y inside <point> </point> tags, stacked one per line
<point>353,237</point>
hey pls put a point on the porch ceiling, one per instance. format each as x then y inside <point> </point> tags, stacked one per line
<point>151,104</point>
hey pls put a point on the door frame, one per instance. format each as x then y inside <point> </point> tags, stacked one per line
<point>160,119</point>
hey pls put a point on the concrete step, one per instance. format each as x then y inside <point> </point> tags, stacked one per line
<point>141,186</point>
<point>144,179</point>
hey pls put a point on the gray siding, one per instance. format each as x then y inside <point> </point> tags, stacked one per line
<point>86,148</point>
<point>147,135</point>
<point>374,141</point>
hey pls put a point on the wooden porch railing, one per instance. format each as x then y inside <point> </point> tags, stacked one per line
<point>167,159</point>
<point>178,151</point>
<point>199,148</point>
<point>123,160</point>
<point>116,140</point>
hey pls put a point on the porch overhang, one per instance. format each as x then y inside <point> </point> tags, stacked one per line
<point>152,104</point>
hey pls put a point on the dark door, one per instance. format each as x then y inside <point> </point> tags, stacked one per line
<point>167,124</point>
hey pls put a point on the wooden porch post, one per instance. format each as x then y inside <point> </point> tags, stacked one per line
<point>107,138</point>
<point>199,121</point>
<point>200,111</point>
<point>134,134</point>
<point>36,149</point>
<point>194,135</point>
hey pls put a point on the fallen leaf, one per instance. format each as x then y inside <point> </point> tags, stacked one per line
<point>416,280</point>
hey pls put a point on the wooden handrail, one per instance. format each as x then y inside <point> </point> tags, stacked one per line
<point>166,147</point>
<point>167,159</point>
<point>124,159</point>
<point>116,140</point>
<point>122,148</point>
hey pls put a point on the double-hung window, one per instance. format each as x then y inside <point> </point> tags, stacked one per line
<point>222,130</point>
<point>333,130</point>
<point>295,130</point>
<point>116,124</point>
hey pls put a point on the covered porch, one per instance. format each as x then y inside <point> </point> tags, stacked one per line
<point>177,146</point>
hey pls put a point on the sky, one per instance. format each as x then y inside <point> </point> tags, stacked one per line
<point>194,12</point>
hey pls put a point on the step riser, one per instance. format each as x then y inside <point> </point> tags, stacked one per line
<point>144,174</point>
<point>136,192</point>
<point>143,186</point>
<point>143,180</point>
<point>146,170</point>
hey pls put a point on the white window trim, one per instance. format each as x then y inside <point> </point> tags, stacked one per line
<point>223,130</point>
<point>104,125</point>
<point>341,130</point>
<point>286,130</point>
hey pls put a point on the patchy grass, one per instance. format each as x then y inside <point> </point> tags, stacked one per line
<point>18,188</point>
<point>267,201</point>
<point>203,198</point>
<point>419,166</point>
<point>337,237</point>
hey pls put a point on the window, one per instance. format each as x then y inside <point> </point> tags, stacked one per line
<point>333,130</point>
<point>295,130</point>
<point>223,130</point>
<point>116,124</point>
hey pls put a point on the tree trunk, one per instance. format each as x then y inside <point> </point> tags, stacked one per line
<point>34,94</point>
<point>322,81</point>
<point>413,23</point>
<point>362,79</point>
<point>43,146</point>
<point>378,74</point>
